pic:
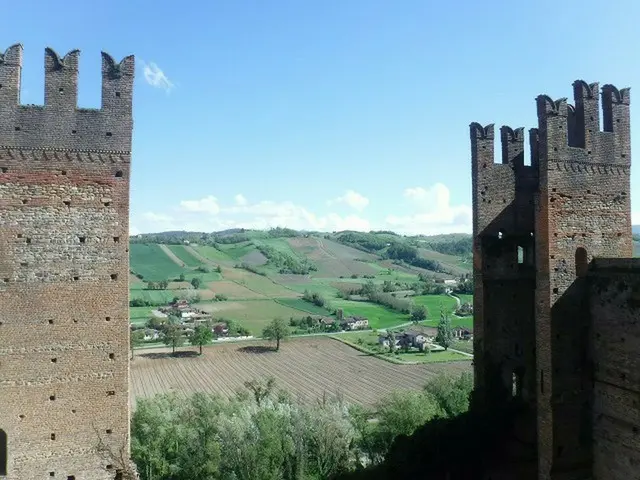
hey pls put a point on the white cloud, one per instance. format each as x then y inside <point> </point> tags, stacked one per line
<point>204,205</point>
<point>156,77</point>
<point>353,199</point>
<point>240,199</point>
<point>433,213</point>
<point>207,214</point>
<point>635,218</point>
<point>427,211</point>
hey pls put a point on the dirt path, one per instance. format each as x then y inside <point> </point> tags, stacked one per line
<point>172,256</point>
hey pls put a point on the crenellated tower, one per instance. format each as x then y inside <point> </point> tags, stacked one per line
<point>584,212</point>
<point>504,273</point>
<point>64,265</point>
<point>536,230</point>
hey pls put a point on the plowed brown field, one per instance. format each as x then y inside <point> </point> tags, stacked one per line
<point>306,367</point>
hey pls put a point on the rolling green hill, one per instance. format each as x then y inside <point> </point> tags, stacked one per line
<point>250,276</point>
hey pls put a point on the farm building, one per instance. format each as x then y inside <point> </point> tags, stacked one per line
<point>354,323</point>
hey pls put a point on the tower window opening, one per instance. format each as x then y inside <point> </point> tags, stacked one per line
<point>520,255</point>
<point>582,262</point>
<point>3,453</point>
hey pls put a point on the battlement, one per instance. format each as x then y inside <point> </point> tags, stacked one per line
<point>578,125</point>
<point>512,143</point>
<point>59,124</point>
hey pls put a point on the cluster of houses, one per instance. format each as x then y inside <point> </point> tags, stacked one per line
<point>189,318</point>
<point>421,338</point>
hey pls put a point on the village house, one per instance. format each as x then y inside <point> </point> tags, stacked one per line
<point>415,337</point>
<point>354,323</point>
<point>151,334</point>
<point>462,333</point>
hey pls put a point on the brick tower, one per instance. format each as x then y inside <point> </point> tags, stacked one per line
<point>64,265</point>
<point>536,229</point>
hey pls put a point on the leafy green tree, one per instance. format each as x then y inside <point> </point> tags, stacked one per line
<point>452,394</point>
<point>136,338</point>
<point>173,334</point>
<point>276,331</point>
<point>201,335</point>
<point>164,284</point>
<point>181,277</point>
<point>419,313</point>
<point>444,337</point>
<point>402,413</point>
<point>392,341</point>
<point>218,269</point>
<point>196,282</point>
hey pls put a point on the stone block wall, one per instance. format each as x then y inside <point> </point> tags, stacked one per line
<point>64,265</point>
<point>615,309</point>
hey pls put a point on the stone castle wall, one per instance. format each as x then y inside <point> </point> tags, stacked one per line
<point>537,228</point>
<point>615,311</point>
<point>64,265</point>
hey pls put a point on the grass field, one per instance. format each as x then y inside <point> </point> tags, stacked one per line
<point>140,315</point>
<point>152,263</point>
<point>306,367</point>
<point>304,306</point>
<point>378,316</point>
<point>236,251</point>
<point>213,254</point>
<point>258,283</point>
<point>465,298</point>
<point>333,259</point>
<point>466,322</point>
<point>434,303</point>
<point>252,314</point>
<point>162,296</point>
<point>188,259</point>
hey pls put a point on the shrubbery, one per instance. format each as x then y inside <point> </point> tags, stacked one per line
<point>263,433</point>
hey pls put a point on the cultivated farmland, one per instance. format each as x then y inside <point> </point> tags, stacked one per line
<point>333,259</point>
<point>307,368</point>
<point>150,261</point>
<point>184,256</point>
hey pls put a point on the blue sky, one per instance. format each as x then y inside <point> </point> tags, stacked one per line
<point>327,114</point>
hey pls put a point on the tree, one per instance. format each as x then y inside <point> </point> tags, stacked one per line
<point>277,330</point>
<point>136,338</point>
<point>218,269</point>
<point>445,333</point>
<point>201,335</point>
<point>173,336</point>
<point>164,284</point>
<point>419,313</point>
<point>196,282</point>
<point>181,277</point>
<point>392,341</point>
<point>261,390</point>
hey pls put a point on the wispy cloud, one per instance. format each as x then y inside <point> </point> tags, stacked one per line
<point>155,77</point>
<point>352,199</point>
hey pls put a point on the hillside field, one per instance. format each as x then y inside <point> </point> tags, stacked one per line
<point>255,288</point>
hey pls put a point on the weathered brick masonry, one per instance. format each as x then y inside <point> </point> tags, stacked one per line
<point>64,320</point>
<point>563,328</point>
